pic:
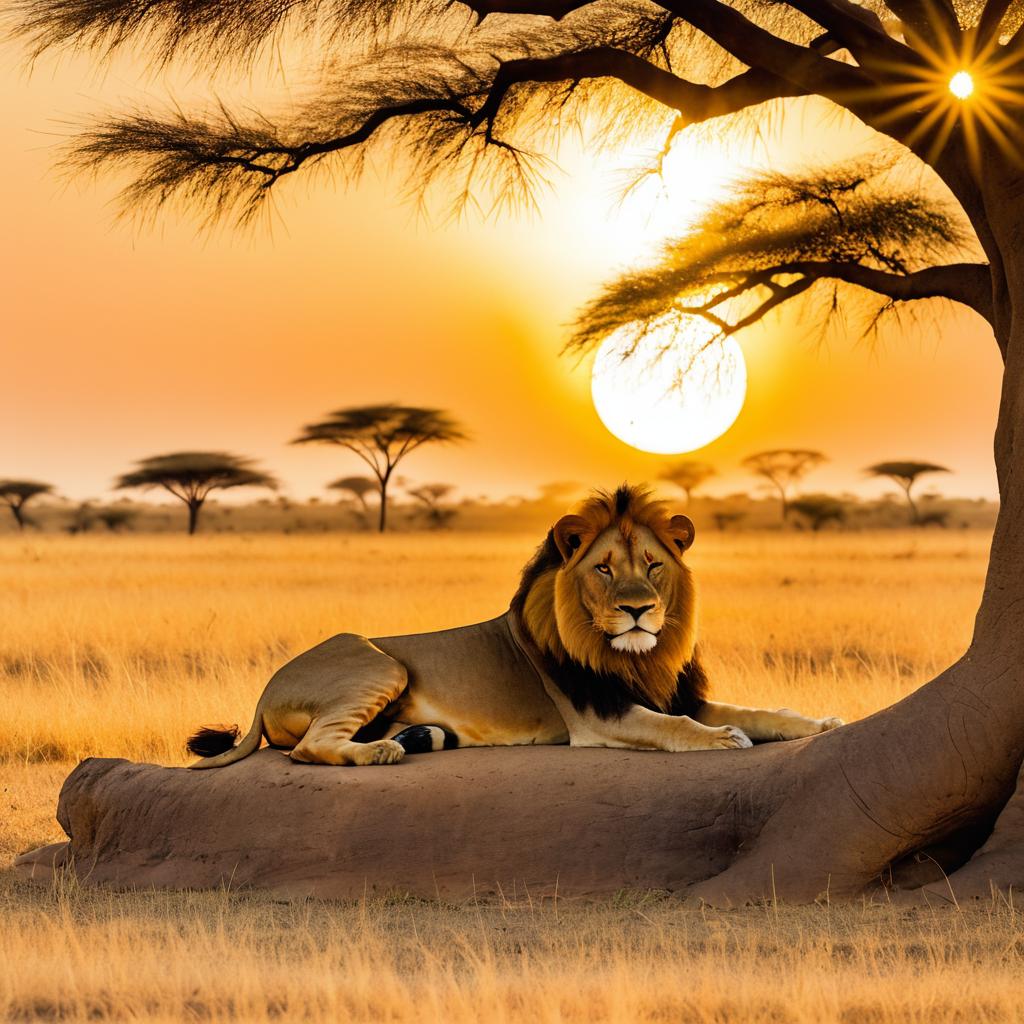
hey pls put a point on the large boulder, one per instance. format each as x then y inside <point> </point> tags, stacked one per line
<point>448,824</point>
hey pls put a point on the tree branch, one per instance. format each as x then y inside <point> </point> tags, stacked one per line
<point>967,283</point>
<point>987,30</point>
<point>554,9</point>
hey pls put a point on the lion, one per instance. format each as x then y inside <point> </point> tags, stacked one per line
<point>598,648</point>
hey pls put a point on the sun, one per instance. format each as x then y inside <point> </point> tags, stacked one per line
<point>961,85</point>
<point>671,391</point>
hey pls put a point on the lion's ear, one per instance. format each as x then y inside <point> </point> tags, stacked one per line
<point>571,534</point>
<point>680,533</point>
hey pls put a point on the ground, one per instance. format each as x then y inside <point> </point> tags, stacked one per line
<point>118,646</point>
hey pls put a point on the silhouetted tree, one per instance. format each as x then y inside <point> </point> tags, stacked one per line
<point>819,509</point>
<point>431,498</point>
<point>461,96</point>
<point>383,435</point>
<point>16,494</point>
<point>726,518</point>
<point>359,487</point>
<point>192,476</point>
<point>782,468</point>
<point>905,474</point>
<point>688,474</point>
<point>116,517</point>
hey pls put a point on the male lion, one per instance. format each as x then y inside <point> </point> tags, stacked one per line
<point>597,649</point>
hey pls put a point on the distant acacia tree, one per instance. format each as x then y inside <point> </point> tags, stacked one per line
<point>192,476</point>
<point>905,474</point>
<point>383,435</point>
<point>819,509</point>
<point>431,498</point>
<point>16,494</point>
<point>359,487</point>
<point>116,517</point>
<point>688,475</point>
<point>783,467</point>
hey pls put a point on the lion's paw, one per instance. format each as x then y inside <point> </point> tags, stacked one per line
<point>828,724</point>
<point>728,737</point>
<point>380,752</point>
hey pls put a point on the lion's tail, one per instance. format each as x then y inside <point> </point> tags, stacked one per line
<point>215,746</point>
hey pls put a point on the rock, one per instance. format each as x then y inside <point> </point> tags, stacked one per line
<point>586,821</point>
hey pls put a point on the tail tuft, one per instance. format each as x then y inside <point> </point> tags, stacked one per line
<point>208,741</point>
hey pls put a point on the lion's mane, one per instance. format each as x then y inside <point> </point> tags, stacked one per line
<point>667,678</point>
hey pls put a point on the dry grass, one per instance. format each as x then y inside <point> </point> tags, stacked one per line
<point>118,646</point>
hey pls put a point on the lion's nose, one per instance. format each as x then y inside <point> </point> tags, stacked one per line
<point>634,611</point>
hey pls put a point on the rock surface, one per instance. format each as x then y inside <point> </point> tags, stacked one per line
<point>451,824</point>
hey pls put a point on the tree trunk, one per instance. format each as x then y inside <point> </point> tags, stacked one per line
<point>383,522</point>
<point>193,515</point>
<point>915,516</point>
<point>18,517</point>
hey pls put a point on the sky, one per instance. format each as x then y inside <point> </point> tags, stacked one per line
<point>121,340</point>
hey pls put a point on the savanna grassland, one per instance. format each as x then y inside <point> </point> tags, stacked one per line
<point>119,646</point>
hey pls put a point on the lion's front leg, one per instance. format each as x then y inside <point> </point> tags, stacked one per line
<point>641,729</point>
<point>761,725</point>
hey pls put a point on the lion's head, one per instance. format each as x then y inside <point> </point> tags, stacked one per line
<point>609,590</point>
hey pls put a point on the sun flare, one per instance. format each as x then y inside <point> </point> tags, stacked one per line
<point>671,391</point>
<point>961,85</point>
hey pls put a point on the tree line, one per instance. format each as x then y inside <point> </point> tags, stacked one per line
<point>784,468</point>
<point>381,435</point>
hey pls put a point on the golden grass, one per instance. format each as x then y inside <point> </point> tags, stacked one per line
<point>119,646</point>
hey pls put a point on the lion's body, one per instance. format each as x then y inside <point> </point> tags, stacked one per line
<point>598,648</point>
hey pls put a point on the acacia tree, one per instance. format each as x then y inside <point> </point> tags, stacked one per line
<point>192,476</point>
<point>905,474</point>
<point>934,773</point>
<point>782,468</point>
<point>359,487</point>
<point>431,498</point>
<point>819,509</point>
<point>383,435</point>
<point>688,475</point>
<point>15,494</point>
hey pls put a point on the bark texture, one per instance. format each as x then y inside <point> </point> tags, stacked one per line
<point>582,821</point>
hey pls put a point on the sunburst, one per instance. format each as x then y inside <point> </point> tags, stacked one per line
<point>961,82</point>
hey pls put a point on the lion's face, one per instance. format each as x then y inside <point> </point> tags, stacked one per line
<point>624,586</point>
<point>609,590</point>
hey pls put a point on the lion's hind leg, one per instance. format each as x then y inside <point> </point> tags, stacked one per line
<point>355,681</point>
<point>328,742</point>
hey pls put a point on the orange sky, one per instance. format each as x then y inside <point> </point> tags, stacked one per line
<point>122,342</point>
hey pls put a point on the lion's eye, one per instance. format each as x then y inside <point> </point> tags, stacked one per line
<point>653,566</point>
<point>604,570</point>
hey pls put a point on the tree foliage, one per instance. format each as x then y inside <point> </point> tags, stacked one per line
<point>688,474</point>
<point>819,509</point>
<point>192,476</point>
<point>905,474</point>
<point>383,435</point>
<point>474,91</point>
<point>783,467</point>
<point>15,494</point>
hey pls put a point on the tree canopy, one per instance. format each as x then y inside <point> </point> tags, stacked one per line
<point>688,474</point>
<point>192,476</point>
<point>905,473</point>
<point>15,494</point>
<point>472,92</point>
<point>783,467</point>
<point>383,435</point>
